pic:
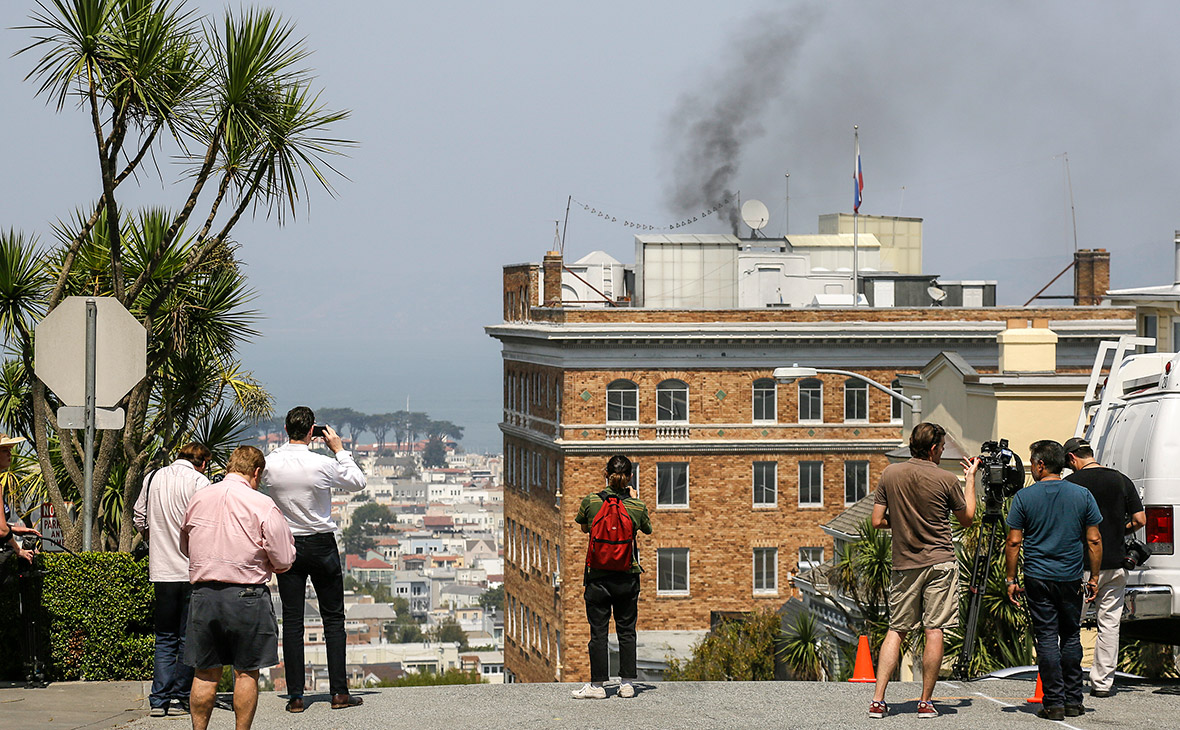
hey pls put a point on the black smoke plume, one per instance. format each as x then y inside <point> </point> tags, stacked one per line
<point>709,128</point>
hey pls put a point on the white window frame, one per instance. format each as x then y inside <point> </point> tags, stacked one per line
<point>671,386</point>
<point>773,574</point>
<point>895,404</point>
<point>811,563</point>
<point>856,464</point>
<point>853,388</point>
<point>773,485</point>
<point>773,390</point>
<point>687,482</point>
<point>820,503</point>
<point>809,381</point>
<point>633,390</point>
<point>673,552</point>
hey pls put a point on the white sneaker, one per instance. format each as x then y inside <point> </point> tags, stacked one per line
<point>626,690</point>
<point>590,692</point>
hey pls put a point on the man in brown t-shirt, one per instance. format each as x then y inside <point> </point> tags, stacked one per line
<point>915,499</point>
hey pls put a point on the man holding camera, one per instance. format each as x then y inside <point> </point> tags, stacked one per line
<point>159,515</point>
<point>1122,513</point>
<point>1051,520</point>
<point>301,483</point>
<point>914,499</point>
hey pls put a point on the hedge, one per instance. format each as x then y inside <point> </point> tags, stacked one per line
<point>98,610</point>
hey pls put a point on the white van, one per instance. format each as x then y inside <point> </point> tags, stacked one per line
<point>1132,420</point>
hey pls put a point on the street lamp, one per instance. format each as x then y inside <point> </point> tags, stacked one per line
<point>788,375</point>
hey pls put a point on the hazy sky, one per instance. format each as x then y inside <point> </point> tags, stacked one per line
<point>476,120</point>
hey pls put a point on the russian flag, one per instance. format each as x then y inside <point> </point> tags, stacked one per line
<point>858,181</point>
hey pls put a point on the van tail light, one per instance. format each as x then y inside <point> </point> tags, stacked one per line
<point>1160,540</point>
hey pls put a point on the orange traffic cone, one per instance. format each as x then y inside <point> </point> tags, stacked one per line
<point>1039,693</point>
<point>863,671</point>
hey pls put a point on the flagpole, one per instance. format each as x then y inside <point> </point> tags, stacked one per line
<point>856,221</point>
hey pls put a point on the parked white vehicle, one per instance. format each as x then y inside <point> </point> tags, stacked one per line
<point>1132,420</point>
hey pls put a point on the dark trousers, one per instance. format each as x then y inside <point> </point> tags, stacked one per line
<point>619,594</point>
<point>316,557</point>
<point>171,677</point>
<point>1055,608</point>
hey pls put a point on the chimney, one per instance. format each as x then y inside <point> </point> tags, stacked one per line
<point>1025,349</point>
<point>551,279</point>
<point>1091,276</point>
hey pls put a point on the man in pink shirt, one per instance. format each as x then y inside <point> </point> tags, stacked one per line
<point>235,538</point>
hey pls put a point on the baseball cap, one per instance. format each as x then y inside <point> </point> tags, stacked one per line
<point>1075,443</point>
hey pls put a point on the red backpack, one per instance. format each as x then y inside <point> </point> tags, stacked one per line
<point>612,536</point>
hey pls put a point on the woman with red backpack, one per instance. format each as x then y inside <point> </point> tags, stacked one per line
<point>612,518</point>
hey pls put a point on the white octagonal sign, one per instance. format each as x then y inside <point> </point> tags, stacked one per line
<point>120,348</point>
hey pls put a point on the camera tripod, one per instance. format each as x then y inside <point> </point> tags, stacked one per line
<point>990,533</point>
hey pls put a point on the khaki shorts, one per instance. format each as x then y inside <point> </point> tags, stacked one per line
<point>926,597</point>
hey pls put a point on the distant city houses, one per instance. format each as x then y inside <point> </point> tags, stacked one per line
<point>428,548</point>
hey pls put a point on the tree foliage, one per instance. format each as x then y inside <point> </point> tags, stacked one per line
<point>493,599</point>
<point>449,630</point>
<point>802,649</point>
<point>431,679</point>
<point>232,102</point>
<point>435,454</point>
<point>736,650</point>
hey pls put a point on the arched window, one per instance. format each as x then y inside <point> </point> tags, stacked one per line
<point>672,402</point>
<point>765,401</point>
<point>856,400</point>
<point>622,402</point>
<point>811,400</point>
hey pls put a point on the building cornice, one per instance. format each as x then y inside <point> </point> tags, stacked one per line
<point>702,446</point>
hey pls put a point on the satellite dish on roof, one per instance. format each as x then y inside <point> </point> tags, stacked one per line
<point>936,294</point>
<point>755,214</point>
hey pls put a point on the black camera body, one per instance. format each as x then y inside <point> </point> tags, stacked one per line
<point>1002,474</point>
<point>1135,555</point>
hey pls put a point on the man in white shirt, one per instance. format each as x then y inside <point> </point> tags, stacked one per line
<point>159,514</point>
<point>301,483</point>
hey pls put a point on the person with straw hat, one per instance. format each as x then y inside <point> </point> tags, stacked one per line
<point>8,536</point>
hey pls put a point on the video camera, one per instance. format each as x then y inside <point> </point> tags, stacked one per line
<point>1002,474</point>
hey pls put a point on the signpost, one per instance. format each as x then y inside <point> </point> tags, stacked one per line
<point>90,351</point>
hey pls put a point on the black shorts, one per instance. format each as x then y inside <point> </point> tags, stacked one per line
<point>231,624</point>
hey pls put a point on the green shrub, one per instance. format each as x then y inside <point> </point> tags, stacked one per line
<point>97,608</point>
<point>430,679</point>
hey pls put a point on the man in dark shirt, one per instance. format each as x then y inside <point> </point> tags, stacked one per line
<point>1122,513</point>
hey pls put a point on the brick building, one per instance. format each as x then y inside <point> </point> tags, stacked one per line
<point>739,472</point>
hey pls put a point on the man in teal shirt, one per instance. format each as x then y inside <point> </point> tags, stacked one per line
<point>613,590</point>
<point>1051,520</point>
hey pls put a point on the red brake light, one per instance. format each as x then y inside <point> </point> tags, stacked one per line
<point>1159,530</point>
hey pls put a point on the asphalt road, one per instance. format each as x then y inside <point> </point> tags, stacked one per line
<point>983,705</point>
<point>986,705</point>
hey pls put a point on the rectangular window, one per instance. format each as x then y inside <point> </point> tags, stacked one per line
<point>622,405</point>
<point>811,477</point>
<point>766,570</point>
<point>1150,329</point>
<point>672,571</point>
<point>895,403</point>
<point>672,484</point>
<point>856,401</point>
<point>765,401</point>
<point>810,557</point>
<point>672,402</point>
<point>856,481</point>
<point>811,405</point>
<point>765,483</point>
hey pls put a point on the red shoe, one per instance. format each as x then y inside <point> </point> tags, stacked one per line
<point>878,709</point>
<point>926,709</point>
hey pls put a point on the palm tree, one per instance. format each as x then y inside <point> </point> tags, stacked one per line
<point>249,131</point>
<point>802,649</point>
